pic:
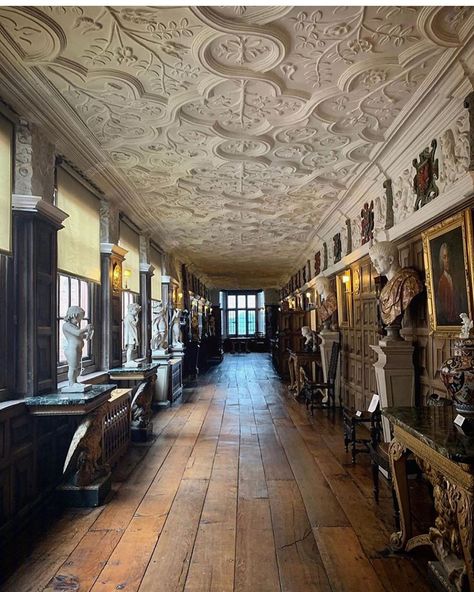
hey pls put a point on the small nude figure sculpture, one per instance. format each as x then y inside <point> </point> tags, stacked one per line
<point>159,338</point>
<point>75,336</point>
<point>176,329</point>
<point>131,332</point>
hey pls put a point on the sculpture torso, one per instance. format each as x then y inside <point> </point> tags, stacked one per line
<point>130,329</point>
<point>328,307</point>
<point>398,293</point>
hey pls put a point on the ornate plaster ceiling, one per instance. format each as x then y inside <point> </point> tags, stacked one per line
<point>233,130</point>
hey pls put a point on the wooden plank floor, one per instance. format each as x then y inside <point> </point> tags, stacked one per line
<point>241,491</point>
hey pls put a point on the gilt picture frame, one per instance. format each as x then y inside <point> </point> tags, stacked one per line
<point>344,298</point>
<point>448,259</point>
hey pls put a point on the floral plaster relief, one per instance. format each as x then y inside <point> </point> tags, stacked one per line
<point>230,130</point>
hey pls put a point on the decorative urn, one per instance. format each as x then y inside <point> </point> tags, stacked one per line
<point>457,374</point>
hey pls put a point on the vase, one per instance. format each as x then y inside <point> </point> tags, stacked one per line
<point>457,374</point>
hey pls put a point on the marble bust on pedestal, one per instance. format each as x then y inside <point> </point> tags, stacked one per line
<point>403,285</point>
<point>329,304</point>
<point>311,339</point>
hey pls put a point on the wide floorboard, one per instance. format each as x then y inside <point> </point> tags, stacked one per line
<point>241,491</point>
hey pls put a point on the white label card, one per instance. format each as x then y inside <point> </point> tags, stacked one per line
<point>358,413</point>
<point>374,403</point>
<point>459,420</point>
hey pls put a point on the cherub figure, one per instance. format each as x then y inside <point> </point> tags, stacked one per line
<point>75,336</point>
<point>467,325</point>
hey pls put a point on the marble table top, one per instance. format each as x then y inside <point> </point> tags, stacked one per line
<point>434,426</point>
<point>144,369</point>
<point>58,403</point>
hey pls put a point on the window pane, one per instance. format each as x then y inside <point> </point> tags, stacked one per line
<point>63,295</point>
<point>251,322</point>
<point>251,302</point>
<point>61,343</point>
<point>241,301</point>
<point>74,292</point>
<point>231,318</point>
<point>242,324</point>
<point>230,301</point>
<point>85,298</point>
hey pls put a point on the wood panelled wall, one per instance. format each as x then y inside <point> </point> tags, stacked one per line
<point>357,358</point>
<point>6,327</point>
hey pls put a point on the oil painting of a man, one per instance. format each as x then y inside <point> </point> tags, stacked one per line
<point>449,280</point>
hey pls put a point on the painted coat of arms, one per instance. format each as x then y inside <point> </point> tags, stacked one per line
<point>317,263</point>
<point>427,171</point>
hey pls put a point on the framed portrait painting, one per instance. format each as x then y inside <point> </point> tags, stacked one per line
<point>344,298</point>
<point>447,252</point>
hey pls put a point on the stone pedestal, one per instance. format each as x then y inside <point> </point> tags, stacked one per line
<point>87,496</point>
<point>160,398</point>
<point>177,352</point>
<point>327,339</point>
<point>395,376</point>
<point>142,434</point>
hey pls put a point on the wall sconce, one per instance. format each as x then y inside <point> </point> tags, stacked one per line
<point>346,278</point>
<point>126,274</point>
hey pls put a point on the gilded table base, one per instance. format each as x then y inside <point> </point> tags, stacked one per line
<point>451,537</point>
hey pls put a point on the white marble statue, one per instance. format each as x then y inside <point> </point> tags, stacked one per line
<point>467,325</point>
<point>311,338</point>
<point>75,336</point>
<point>176,342</point>
<point>159,337</point>
<point>131,332</point>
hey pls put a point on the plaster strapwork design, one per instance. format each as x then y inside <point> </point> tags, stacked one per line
<point>232,131</point>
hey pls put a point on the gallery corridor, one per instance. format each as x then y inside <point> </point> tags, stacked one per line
<point>240,491</point>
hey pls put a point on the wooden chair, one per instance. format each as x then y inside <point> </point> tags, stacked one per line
<point>314,391</point>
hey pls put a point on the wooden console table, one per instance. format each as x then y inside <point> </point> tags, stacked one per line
<point>90,481</point>
<point>58,403</point>
<point>144,372</point>
<point>446,456</point>
<point>298,360</point>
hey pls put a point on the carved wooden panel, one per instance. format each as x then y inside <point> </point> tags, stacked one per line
<point>6,328</point>
<point>23,483</point>
<point>5,496</point>
<point>35,289</point>
<point>32,451</point>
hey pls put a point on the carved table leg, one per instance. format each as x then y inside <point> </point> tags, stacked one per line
<point>291,370</point>
<point>465,517</point>
<point>397,452</point>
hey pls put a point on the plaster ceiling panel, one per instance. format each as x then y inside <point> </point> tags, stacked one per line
<point>237,129</point>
